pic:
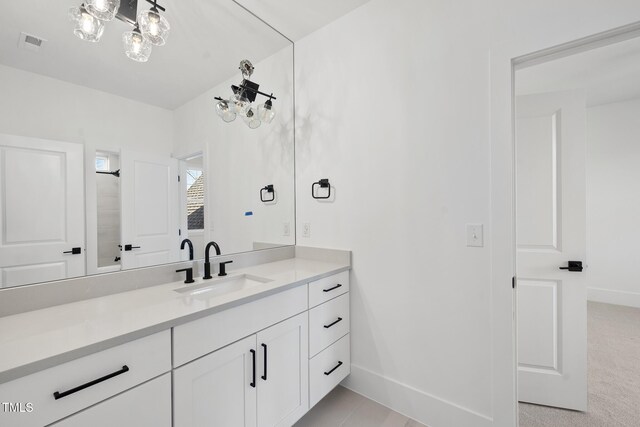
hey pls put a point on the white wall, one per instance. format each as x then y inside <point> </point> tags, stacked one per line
<point>393,107</point>
<point>406,106</point>
<point>254,158</point>
<point>613,202</point>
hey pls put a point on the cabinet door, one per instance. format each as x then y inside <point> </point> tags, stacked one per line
<point>283,384</point>
<point>217,390</point>
<point>148,405</point>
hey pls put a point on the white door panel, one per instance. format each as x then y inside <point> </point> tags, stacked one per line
<point>149,209</point>
<point>550,231</point>
<point>41,210</point>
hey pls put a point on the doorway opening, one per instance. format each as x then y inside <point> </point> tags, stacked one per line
<point>108,210</point>
<point>577,145</point>
<point>192,196</point>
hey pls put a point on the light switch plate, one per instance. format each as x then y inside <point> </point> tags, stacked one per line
<point>286,229</point>
<point>306,229</point>
<point>475,235</point>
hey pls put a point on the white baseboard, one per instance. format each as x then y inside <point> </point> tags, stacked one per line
<point>608,296</point>
<point>411,402</point>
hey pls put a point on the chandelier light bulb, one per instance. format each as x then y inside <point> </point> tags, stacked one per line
<point>136,45</point>
<point>87,27</point>
<point>105,10</point>
<point>154,26</point>
<point>266,112</point>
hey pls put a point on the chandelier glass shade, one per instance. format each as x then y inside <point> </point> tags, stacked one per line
<point>136,45</point>
<point>154,26</point>
<point>87,27</point>
<point>104,10</point>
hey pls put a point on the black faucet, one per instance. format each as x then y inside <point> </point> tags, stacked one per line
<point>207,264</point>
<point>189,272</point>
<point>188,242</point>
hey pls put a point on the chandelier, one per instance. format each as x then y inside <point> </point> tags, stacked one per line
<point>241,102</point>
<point>149,27</point>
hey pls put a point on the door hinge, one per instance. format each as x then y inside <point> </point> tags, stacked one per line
<point>178,178</point>
<point>513,282</point>
<point>179,232</point>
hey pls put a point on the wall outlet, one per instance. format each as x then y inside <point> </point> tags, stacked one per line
<point>306,229</point>
<point>286,229</point>
<point>475,235</point>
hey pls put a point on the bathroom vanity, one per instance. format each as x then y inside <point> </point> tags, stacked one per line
<point>258,347</point>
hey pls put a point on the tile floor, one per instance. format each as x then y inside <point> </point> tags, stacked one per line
<point>344,408</point>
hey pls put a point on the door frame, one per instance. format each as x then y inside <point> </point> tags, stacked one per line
<point>505,61</point>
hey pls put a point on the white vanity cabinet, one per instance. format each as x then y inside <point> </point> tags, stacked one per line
<point>218,389</point>
<point>329,326</point>
<point>259,381</point>
<point>71,387</point>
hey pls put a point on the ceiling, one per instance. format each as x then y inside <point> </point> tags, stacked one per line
<point>298,18</point>
<point>607,74</point>
<point>207,41</point>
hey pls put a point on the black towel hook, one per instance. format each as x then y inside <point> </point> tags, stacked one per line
<point>323,183</point>
<point>269,189</point>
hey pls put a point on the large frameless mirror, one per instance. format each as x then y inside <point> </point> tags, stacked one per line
<point>113,147</point>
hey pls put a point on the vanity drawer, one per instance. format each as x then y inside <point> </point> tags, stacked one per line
<point>328,368</point>
<point>144,359</point>
<point>202,336</point>
<point>328,322</point>
<point>328,287</point>
<point>148,405</point>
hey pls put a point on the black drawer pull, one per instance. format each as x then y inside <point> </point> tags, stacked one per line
<point>333,323</point>
<point>253,355</point>
<point>59,395</point>
<point>264,377</point>
<point>334,368</point>
<point>334,288</point>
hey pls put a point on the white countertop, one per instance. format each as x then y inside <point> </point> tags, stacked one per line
<point>39,339</point>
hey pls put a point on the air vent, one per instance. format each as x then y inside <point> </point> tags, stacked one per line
<point>30,42</point>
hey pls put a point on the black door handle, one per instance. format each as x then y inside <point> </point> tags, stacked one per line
<point>59,395</point>
<point>130,247</point>
<point>264,377</point>
<point>573,266</point>
<point>253,357</point>
<point>73,251</point>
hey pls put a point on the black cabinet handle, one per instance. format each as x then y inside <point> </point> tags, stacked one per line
<point>333,323</point>
<point>264,377</point>
<point>73,251</point>
<point>334,288</point>
<point>334,368</point>
<point>59,395</point>
<point>253,356</point>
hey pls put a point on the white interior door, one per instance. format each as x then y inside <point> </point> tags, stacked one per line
<point>550,231</point>
<point>150,204</point>
<point>41,210</point>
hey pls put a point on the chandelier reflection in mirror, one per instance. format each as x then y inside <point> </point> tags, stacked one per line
<point>149,27</point>
<point>241,102</point>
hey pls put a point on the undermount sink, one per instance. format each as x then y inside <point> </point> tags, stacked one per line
<point>223,285</point>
